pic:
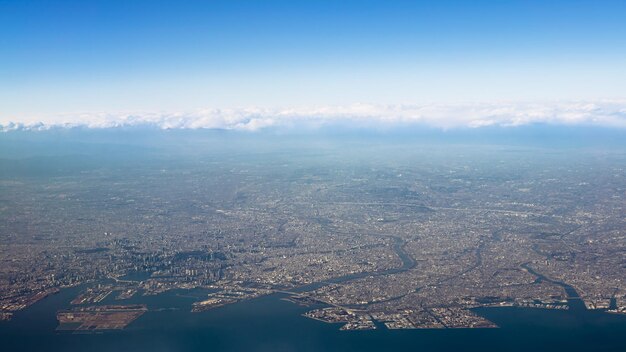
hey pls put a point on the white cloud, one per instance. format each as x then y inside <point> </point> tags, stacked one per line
<point>603,113</point>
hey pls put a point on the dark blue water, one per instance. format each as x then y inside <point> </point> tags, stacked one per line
<point>271,324</point>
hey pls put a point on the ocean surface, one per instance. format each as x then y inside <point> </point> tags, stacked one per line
<point>271,324</point>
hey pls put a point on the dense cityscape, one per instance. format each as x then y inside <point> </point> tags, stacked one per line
<point>403,237</point>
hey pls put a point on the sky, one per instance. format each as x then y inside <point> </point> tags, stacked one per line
<point>251,64</point>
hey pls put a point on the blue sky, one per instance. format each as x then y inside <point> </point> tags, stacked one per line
<point>65,57</point>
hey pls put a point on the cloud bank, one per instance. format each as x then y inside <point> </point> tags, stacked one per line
<point>611,114</point>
